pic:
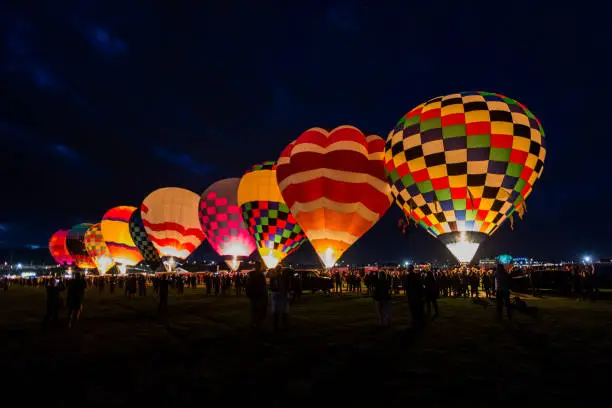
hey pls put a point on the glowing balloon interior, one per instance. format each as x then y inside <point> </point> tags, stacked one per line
<point>464,163</point>
<point>221,220</point>
<point>334,184</point>
<point>97,249</point>
<point>170,217</point>
<point>275,230</point>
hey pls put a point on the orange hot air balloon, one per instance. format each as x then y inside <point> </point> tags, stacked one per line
<point>116,233</point>
<point>170,217</point>
<point>334,183</point>
<point>58,249</point>
<point>97,249</point>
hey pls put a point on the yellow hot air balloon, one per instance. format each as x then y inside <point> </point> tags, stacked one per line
<point>116,232</point>
<point>274,229</point>
<point>461,164</point>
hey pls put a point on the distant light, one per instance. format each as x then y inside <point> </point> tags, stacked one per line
<point>19,266</point>
<point>587,259</point>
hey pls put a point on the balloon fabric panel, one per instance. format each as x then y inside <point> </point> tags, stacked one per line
<point>465,161</point>
<point>116,233</point>
<point>170,217</point>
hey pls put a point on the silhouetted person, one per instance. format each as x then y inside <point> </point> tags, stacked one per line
<point>163,294</point>
<point>431,293</point>
<point>74,299</point>
<point>382,297</point>
<point>258,295</point>
<point>415,294</point>
<point>53,302</point>
<point>502,284</point>
<point>280,283</point>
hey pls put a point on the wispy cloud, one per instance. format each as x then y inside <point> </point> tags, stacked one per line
<point>183,160</point>
<point>100,38</point>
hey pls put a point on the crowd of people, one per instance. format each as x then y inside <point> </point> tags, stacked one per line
<point>282,286</point>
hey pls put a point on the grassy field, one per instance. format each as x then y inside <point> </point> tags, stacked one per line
<point>202,351</point>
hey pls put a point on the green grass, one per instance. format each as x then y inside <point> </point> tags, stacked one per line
<point>202,351</point>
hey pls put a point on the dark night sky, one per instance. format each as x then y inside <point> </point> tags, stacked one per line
<point>105,101</point>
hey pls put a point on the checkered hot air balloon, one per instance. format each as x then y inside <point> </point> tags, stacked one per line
<point>116,233</point>
<point>222,222</point>
<point>334,184</point>
<point>58,249</point>
<point>460,164</point>
<point>75,243</point>
<point>275,230</point>
<point>97,249</point>
<point>143,243</point>
<point>170,217</point>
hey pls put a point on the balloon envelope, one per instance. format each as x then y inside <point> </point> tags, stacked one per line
<point>116,233</point>
<point>143,243</point>
<point>334,183</point>
<point>275,230</point>
<point>460,164</point>
<point>58,249</point>
<point>75,243</point>
<point>170,217</point>
<point>97,249</point>
<point>222,222</point>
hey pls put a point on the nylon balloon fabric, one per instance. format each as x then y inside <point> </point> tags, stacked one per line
<point>464,161</point>
<point>334,184</point>
<point>97,249</point>
<point>75,243</point>
<point>222,222</point>
<point>170,217</point>
<point>116,233</point>
<point>142,241</point>
<point>58,249</point>
<point>275,230</point>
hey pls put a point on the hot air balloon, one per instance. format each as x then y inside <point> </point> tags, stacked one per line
<point>275,230</point>
<point>170,217</point>
<point>58,249</point>
<point>97,249</point>
<point>221,221</point>
<point>75,243</point>
<point>143,243</point>
<point>460,164</point>
<point>334,184</point>
<point>116,233</point>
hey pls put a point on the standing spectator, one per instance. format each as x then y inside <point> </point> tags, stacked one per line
<point>257,293</point>
<point>74,299</point>
<point>432,292</point>
<point>53,302</point>
<point>502,284</point>
<point>415,294</point>
<point>382,298</point>
<point>163,285</point>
